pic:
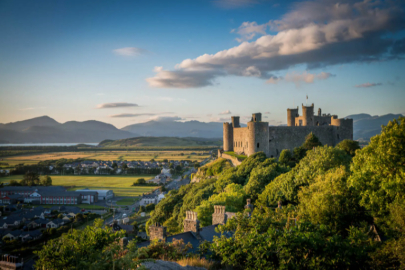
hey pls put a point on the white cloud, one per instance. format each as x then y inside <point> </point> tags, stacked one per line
<point>248,30</point>
<point>181,78</point>
<point>366,85</point>
<point>231,4</point>
<point>306,77</point>
<point>225,112</point>
<point>116,105</point>
<point>165,118</point>
<point>314,33</point>
<point>124,115</point>
<point>130,51</point>
<point>219,119</point>
<point>298,78</point>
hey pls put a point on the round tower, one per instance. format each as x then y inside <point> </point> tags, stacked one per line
<point>258,138</point>
<point>257,117</point>
<point>291,114</point>
<point>308,115</point>
<point>235,121</point>
<point>228,137</point>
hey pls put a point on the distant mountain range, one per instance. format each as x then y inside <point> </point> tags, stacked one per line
<point>366,126</point>
<point>46,130</point>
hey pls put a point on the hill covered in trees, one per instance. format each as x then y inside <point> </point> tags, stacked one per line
<point>161,141</point>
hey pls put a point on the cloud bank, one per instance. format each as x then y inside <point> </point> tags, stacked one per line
<point>316,33</point>
<point>225,112</point>
<point>165,118</point>
<point>232,4</point>
<point>124,115</point>
<point>366,85</point>
<point>130,51</point>
<point>116,105</point>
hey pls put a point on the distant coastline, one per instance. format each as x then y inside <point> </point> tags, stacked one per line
<point>44,144</point>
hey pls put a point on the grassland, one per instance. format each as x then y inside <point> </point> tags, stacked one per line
<point>127,201</point>
<point>233,154</point>
<point>105,155</point>
<point>121,185</point>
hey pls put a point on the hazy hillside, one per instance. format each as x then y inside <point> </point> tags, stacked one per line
<point>366,126</point>
<point>177,129</point>
<point>161,141</point>
<point>46,130</point>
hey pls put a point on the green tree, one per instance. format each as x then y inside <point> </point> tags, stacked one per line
<point>114,166</point>
<point>329,201</point>
<point>30,179</point>
<point>46,180</point>
<point>150,207</point>
<point>79,249</point>
<point>349,146</point>
<point>378,170</point>
<point>270,240</point>
<point>317,162</point>
<point>286,158</point>
<point>311,141</point>
<point>139,181</point>
<point>262,176</point>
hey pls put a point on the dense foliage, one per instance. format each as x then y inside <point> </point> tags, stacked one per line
<point>318,207</point>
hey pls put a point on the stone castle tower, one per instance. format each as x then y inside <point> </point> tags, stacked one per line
<point>258,136</point>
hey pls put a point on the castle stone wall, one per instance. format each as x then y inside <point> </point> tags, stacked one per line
<point>291,137</point>
<point>240,140</point>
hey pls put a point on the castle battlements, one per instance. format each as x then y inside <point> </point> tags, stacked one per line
<point>259,136</point>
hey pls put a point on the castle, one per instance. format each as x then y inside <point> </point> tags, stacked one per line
<point>259,136</point>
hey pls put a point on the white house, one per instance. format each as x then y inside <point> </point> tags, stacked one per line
<point>148,199</point>
<point>56,223</point>
<point>33,197</point>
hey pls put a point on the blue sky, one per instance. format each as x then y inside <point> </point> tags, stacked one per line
<point>65,59</point>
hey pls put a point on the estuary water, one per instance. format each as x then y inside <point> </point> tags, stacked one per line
<point>44,144</point>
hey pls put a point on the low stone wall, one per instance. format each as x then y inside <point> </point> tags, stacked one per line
<point>234,160</point>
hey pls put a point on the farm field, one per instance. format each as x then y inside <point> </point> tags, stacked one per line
<point>121,185</point>
<point>105,155</point>
<point>127,201</point>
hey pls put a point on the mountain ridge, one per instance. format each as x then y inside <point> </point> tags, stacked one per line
<point>45,129</point>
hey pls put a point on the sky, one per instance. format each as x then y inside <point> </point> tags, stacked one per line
<point>126,62</point>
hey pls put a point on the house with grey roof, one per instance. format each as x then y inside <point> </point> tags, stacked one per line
<point>11,222</point>
<point>192,234</point>
<point>30,235</point>
<point>56,223</point>
<point>148,198</point>
<point>13,235</point>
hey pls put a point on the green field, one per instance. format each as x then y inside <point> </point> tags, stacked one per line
<point>127,201</point>
<point>121,185</point>
<point>105,155</point>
